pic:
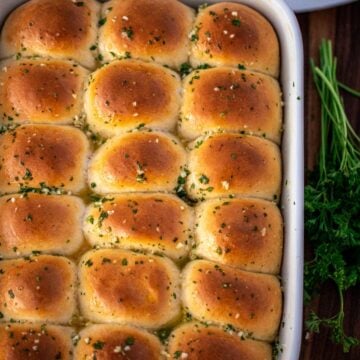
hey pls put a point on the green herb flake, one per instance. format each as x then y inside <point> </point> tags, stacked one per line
<point>98,345</point>
<point>129,341</point>
<point>204,179</point>
<point>128,31</point>
<point>101,22</point>
<point>103,215</point>
<point>28,175</point>
<point>89,263</point>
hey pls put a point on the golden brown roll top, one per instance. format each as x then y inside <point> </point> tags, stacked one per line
<point>129,94</point>
<point>157,223</point>
<point>41,91</point>
<point>231,100</point>
<point>149,30</point>
<point>230,164</point>
<point>234,35</point>
<point>35,342</point>
<point>244,233</point>
<point>140,161</point>
<point>248,301</point>
<point>196,341</point>
<point>40,288</point>
<point>105,342</point>
<point>128,288</point>
<point>40,223</point>
<point>43,156</point>
<point>62,29</point>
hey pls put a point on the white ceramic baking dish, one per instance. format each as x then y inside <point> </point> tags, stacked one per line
<point>286,26</point>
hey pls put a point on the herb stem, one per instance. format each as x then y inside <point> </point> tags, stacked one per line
<point>348,89</point>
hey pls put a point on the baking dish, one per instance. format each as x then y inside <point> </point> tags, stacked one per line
<point>286,26</point>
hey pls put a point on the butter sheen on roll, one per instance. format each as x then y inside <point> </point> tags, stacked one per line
<point>128,288</point>
<point>110,341</point>
<point>43,155</point>
<point>35,342</point>
<point>47,223</point>
<point>234,165</point>
<point>243,233</point>
<point>196,341</point>
<point>154,30</point>
<point>139,161</point>
<point>62,29</point>
<point>157,223</point>
<point>227,99</point>
<point>248,301</point>
<point>127,94</point>
<point>231,34</point>
<point>41,288</point>
<point>41,91</point>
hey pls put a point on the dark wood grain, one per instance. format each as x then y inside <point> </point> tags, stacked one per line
<point>342,26</point>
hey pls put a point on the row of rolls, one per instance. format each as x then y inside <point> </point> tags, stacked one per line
<point>125,287</point>
<point>112,341</point>
<point>222,308</point>
<point>153,96</point>
<point>141,226</point>
<point>161,31</point>
<point>222,164</point>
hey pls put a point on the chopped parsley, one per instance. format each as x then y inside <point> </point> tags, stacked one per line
<point>130,340</point>
<point>204,179</point>
<point>128,31</point>
<point>28,175</point>
<point>101,22</point>
<point>89,263</point>
<point>98,345</point>
<point>103,215</point>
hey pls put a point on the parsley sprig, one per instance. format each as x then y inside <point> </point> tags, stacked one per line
<point>332,207</point>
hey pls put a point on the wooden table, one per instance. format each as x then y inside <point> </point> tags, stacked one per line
<point>342,25</point>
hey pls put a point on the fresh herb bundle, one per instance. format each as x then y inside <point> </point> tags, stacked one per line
<point>332,201</point>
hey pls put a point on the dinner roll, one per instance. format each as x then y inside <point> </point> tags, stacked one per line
<point>154,30</point>
<point>230,164</point>
<point>117,342</point>
<point>141,161</point>
<point>196,341</point>
<point>248,301</point>
<point>235,35</point>
<point>43,156</point>
<point>41,91</point>
<point>128,288</point>
<point>231,100</point>
<point>129,94</point>
<point>40,288</point>
<point>49,224</point>
<point>244,233</point>
<point>63,29</point>
<point>157,223</point>
<point>35,342</point>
